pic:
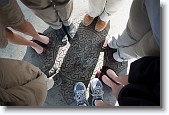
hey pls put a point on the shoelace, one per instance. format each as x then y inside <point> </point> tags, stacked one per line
<point>97,92</point>
<point>80,96</point>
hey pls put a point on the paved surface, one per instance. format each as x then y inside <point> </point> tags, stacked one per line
<point>76,61</point>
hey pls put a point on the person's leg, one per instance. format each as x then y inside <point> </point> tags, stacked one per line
<point>139,50</point>
<point>101,103</point>
<point>3,39</point>
<point>15,38</point>
<point>22,83</point>
<point>111,6</point>
<point>65,16</point>
<point>115,88</point>
<point>138,27</point>
<point>65,13</point>
<point>27,28</point>
<point>18,22</point>
<point>42,8</point>
<point>95,8</point>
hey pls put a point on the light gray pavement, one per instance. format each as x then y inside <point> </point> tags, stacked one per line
<point>117,24</point>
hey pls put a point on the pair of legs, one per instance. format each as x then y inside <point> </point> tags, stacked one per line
<point>102,8</point>
<point>22,83</point>
<point>55,13</point>
<point>17,22</point>
<point>96,91</point>
<point>138,39</point>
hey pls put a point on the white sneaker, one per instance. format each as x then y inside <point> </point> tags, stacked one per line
<point>80,94</point>
<point>96,89</point>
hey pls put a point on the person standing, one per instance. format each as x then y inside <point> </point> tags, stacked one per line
<point>56,13</point>
<point>142,34</point>
<point>103,9</point>
<point>9,19</point>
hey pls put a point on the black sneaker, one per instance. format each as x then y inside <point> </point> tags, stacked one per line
<point>80,94</point>
<point>62,36</point>
<point>96,89</point>
<point>71,30</point>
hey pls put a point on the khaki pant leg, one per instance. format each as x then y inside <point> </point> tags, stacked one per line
<point>45,10</point>
<point>3,38</point>
<point>111,6</point>
<point>22,83</point>
<point>65,13</point>
<point>96,7</point>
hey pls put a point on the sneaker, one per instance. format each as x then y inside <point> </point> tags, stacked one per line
<point>71,30</point>
<point>80,94</point>
<point>96,90</point>
<point>118,58</point>
<point>100,25</point>
<point>62,36</point>
<point>87,20</point>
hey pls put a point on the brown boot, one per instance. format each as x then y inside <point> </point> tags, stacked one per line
<point>100,25</point>
<point>87,20</point>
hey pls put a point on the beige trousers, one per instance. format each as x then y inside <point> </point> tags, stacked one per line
<point>103,8</point>
<point>22,83</point>
<point>54,13</point>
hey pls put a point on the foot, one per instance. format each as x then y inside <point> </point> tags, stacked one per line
<point>87,20</point>
<point>38,49</point>
<point>62,36</point>
<point>80,94</point>
<point>100,25</point>
<point>115,88</point>
<point>96,89</point>
<point>44,39</point>
<point>71,30</point>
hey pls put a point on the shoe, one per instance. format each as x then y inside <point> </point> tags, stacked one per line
<point>100,25</point>
<point>118,58</point>
<point>51,42</point>
<point>87,20</point>
<point>71,30</point>
<point>62,36</point>
<point>80,94</point>
<point>96,90</point>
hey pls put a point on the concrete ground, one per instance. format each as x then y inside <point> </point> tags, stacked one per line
<point>117,24</point>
